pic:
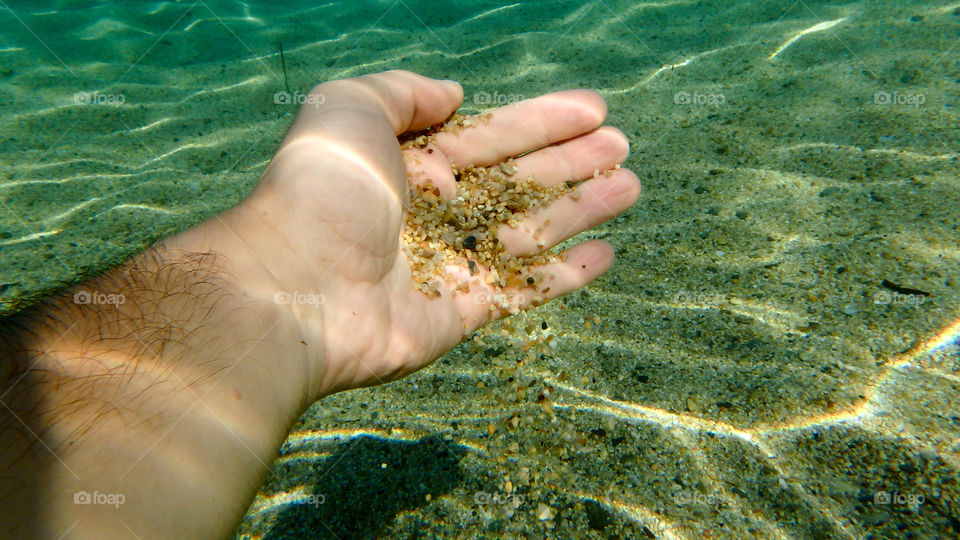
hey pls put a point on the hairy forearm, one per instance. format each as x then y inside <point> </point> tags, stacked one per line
<point>147,401</point>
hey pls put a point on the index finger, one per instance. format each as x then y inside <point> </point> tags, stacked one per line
<point>523,126</point>
<point>405,100</point>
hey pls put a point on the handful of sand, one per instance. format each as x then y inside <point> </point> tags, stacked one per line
<point>463,230</point>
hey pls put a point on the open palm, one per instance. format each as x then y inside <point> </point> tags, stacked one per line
<point>331,207</point>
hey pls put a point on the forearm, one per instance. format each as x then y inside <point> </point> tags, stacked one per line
<point>168,404</point>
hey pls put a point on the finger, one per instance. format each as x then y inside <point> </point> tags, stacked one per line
<point>524,126</point>
<point>408,102</point>
<point>590,204</point>
<point>428,164</point>
<point>584,263</point>
<point>573,160</point>
<point>577,159</point>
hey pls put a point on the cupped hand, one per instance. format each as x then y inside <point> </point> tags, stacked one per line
<point>324,225</point>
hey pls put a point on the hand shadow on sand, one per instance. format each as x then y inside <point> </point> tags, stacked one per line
<point>363,485</point>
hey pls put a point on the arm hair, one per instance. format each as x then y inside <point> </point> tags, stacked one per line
<point>56,354</point>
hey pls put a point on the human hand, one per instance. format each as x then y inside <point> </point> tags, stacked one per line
<point>326,218</point>
<point>179,396</point>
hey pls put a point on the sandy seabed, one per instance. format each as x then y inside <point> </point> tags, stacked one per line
<point>742,371</point>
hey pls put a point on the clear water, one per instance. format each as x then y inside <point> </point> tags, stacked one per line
<point>741,372</point>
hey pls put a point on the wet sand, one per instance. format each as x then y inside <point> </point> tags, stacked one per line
<point>742,371</point>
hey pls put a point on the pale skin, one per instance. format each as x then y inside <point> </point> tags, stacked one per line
<point>179,398</point>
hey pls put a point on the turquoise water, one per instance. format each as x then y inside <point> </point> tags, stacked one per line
<point>740,372</point>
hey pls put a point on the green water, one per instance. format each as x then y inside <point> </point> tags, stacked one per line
<point>743,374</point>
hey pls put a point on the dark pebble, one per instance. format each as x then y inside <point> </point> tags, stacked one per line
<point>470,242</point>
<point>699,190</point>
<point>493,351</point>
<point>597,516</point>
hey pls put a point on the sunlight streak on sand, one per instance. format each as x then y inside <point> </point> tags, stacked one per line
<point>29,237</point>
<point>815,28</point>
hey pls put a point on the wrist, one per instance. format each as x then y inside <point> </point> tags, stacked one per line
<point>272,270</point>
<point>253,256</point>
<point>182,377</point>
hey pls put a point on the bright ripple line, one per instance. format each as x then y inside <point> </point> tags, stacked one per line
<point>395,434</point>
<point>29,237</point>
<point>297,495</point>
<point>815,28</point>
<point>636,513</point>
<point>658,416</point>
